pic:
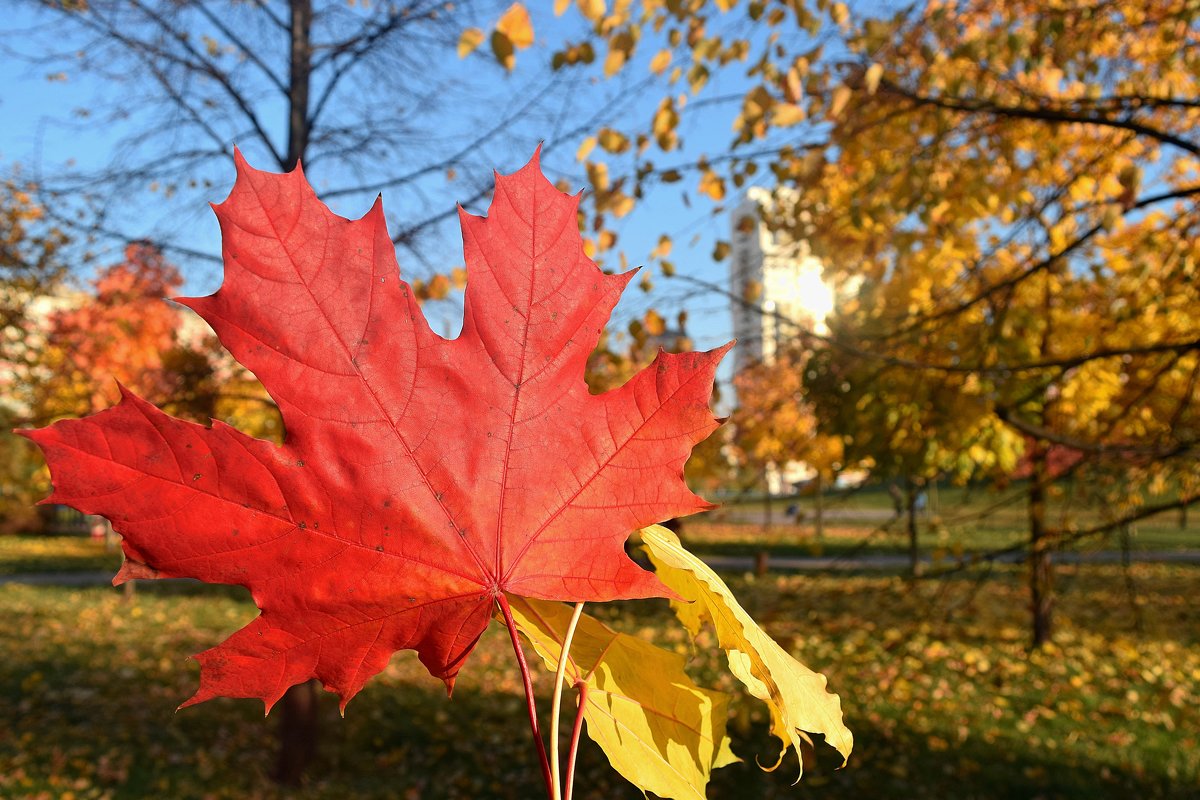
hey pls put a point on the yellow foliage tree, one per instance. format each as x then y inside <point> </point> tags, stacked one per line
<point>30,265</point>
<point>1009,188</point>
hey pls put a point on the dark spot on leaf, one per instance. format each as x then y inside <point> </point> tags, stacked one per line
<point>387,503</point>
<point>379,548</point>
<point>299,463</point>
<point>196,477</point>
<point>303,525</point>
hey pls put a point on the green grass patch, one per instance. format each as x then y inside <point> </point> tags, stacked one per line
<point>29,553</point>
<point>956,521</point>
<point>937,685</point>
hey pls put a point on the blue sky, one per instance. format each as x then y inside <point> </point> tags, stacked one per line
<point>43,132</point>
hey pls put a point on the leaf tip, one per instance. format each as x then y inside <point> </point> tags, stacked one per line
<point>720,352</point>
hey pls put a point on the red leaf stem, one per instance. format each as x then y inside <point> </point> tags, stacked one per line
<point>575,732</point>
<point>530,703</point>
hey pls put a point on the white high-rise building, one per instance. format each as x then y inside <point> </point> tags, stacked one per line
<point>775,281</point>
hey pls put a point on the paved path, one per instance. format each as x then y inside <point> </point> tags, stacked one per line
<point>757,516</point>
<point>900,562</point>
<point>59,578</point>
<point>868,563</point>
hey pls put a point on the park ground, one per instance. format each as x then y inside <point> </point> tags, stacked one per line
<point>936,680</point>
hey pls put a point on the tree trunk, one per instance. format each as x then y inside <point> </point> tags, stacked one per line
<point>760,558</point>
<point>1041,568</point>
<point>914,545</point>
<point>819,509</point>
<point>299,76</point>
<point>297,733</point>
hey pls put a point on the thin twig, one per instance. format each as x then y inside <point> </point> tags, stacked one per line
<point>556,705</point>
<point>530,703</point>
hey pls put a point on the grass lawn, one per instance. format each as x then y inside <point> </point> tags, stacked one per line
<point>25,554</point>
<point>937,687</point>
<point>958,521</point>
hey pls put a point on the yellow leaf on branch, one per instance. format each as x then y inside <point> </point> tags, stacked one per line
<point>470,39</point>
<point>660,730</point>
<point>516,25</point>
<point>712,185</point>
<point>660,62</point>
<point>787,114</point>
<point>502,49</point>
<point>797,696</point>
<point>613,141</point>
<point>592,9</point>
<point>837,104</point>
<point>872,78</point>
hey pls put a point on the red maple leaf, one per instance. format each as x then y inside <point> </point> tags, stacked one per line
<point>420,477</point>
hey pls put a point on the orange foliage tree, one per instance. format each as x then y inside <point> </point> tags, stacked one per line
<point>123,333</point>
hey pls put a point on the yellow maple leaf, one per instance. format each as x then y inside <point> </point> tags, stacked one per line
<point>660,730</point>
<point>797,696</point>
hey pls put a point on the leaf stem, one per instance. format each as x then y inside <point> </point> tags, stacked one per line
<point>583,690</point>
<point>556,705</point>
<point>530,703</point>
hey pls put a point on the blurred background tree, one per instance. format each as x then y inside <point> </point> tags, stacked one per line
<point>1005,196</point>
<point>369,96</point>
<point>30,267</point>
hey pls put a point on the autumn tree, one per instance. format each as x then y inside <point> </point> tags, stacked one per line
<point>30,267</point>
<point>774,424</point>
<point>907,426</point>
<point>369,96</point>
<point>1017,187</point>
<point>121,332</point>
<point>1010,186</point>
